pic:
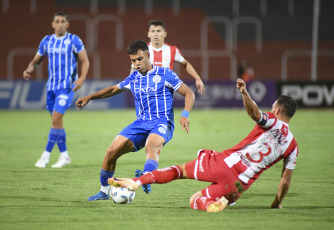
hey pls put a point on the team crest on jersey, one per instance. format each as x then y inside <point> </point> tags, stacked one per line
<point>156,79</point>
<point>67,41</point>
<point>284,130</point>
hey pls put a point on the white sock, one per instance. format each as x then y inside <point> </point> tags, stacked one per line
<point>105,189</point>
<point>46,154</point>
<point>64,155</point>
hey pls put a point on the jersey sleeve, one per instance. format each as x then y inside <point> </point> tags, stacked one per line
<point>290,161</point>
<point>78,44</point>
<point>178,56</point>
<point>125,85</point>
<point>42,47</point>
<point>267,119</point>
<point>172,80</point>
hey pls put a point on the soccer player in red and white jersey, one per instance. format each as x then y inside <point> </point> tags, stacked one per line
<point>163,54</point>
<point>234,170</point>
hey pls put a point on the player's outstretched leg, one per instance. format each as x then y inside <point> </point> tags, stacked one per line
<point>146,187</point>
<point>218,205</point>
<point>124,182</point>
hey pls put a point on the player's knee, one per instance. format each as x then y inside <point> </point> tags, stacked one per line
<point>57,120</point>
<point>112,154</point>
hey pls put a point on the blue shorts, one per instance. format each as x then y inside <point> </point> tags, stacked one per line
<point>139,131</point>
<point>59,100</point>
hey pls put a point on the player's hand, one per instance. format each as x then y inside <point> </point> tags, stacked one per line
<point>184,121</point>
<point>26,74</point>
<point>81,102</point>
<point>78,83</point>
<point>241,85</point>
<point>200,86</point>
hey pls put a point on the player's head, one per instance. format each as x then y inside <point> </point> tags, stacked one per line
<point>139,56</point>
<point>286,105</point>
<point>156,23</point>
<point>60,23</point>
<point>157,32</point>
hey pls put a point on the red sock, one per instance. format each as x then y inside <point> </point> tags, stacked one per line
<point>201,203</point>
<point>161,176</point>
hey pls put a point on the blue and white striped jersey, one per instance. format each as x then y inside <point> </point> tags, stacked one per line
<point>153,92</point>
<point>62,53</point>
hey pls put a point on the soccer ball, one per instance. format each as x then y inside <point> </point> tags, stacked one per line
<point>121,195</point>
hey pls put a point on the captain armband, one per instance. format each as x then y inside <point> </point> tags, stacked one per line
<point>263,120</point>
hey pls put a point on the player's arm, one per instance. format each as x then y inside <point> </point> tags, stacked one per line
<point>32,66</point>
<point>283,188</point>
<point>103,93</point>
<point>189,95</point>
<point>83,58</point>
<point>192,72</point>
<point>250,106</point>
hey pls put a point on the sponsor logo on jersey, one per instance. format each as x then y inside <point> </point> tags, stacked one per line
<point>57,50</point>
<point>146,90</point>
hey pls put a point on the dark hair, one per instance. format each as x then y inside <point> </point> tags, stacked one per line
<point>137,45</point>
<point>156,23</point>
<point>60,14</point>
<point>287,104</point>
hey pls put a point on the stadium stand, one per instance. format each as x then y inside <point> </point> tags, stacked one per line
<point>259,31</point>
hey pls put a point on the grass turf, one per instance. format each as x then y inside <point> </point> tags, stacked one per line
<point>32,198</point>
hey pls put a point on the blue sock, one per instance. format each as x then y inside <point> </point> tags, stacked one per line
<point>150,165</point>
<point>61,141</point>
<point>104,175</point>
<point>53,136</point>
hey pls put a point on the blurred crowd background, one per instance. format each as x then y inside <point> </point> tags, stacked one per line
<point>283,42</point>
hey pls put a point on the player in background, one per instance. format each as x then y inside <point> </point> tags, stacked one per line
<point>234,170</point>
<point>153,88</point>
<point>163,54</point>
<point>62,50</point>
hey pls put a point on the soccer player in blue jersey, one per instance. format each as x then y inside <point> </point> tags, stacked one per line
<point>153,88</point>
<point>62,49</point>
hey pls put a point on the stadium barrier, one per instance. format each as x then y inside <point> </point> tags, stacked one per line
<point>31,95</point>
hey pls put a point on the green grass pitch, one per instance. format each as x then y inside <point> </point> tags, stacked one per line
<point>32,198</point>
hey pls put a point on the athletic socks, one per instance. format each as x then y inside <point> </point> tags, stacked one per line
<point>201,203</point>
<point>64,155</point>
<point>104,175</point>
<point>150,165</point>
<point>57,136</point>
<point>161,176</point>
<point>46,154</point>
<point>61,140</point>
<point>53,135</point>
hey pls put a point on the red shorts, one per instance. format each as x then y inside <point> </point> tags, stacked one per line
<point>211,167</point>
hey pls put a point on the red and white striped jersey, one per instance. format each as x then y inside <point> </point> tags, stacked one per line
<point>165,56</point>
<point>269,142</point>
